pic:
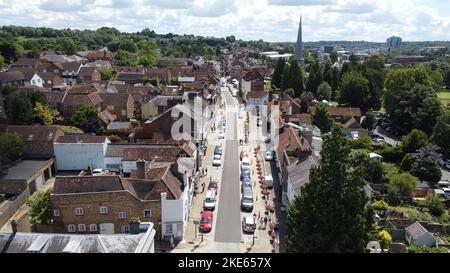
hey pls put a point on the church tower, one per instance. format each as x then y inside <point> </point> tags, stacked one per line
<point>299,46</point>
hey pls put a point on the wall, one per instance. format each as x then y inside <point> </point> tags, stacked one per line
<point>9,207</point>
<point>112,161</point>
<point>119,201</point>
<point>75,157</point>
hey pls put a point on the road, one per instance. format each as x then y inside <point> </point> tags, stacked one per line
<point>228,225</point>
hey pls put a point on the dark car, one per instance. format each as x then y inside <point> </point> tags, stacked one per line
<point>218,150</point>
<point>245,174</point>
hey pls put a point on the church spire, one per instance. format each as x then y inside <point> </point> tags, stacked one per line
<point>299,46</point>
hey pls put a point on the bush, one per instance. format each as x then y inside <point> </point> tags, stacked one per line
<point>380,206</point>
<point>435,205</point>
<point>385,239</point>
<point>40,208</point>
<point>391,154</point>
<point>11,145</point>
<point>115,139</point>
<point>420,249</point>
<point>364,142</point>
<point>407,163</point>
<point>403,184</point>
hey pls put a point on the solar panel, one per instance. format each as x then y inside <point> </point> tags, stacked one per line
<point>38,244</point>
<point>74,245</point>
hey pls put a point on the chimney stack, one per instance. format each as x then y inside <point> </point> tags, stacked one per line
<point>140,169</point>
<point>14,226</point>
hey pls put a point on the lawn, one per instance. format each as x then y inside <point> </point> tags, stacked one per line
<point>69,129</point>
<point>445,98</point>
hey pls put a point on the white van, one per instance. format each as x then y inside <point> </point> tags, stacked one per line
<point>245,165</point>
<point>269,181</point>
<point>444,184</point>
<point>210,200</point>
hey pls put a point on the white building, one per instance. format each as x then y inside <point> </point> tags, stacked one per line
<point>77,152</point>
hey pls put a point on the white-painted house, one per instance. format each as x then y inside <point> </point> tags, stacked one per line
<point>78,151</point>
<point>175,213</point>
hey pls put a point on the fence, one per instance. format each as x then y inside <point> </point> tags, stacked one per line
<point>10,206</point>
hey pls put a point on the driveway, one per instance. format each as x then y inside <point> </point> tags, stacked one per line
<point>390,139</point>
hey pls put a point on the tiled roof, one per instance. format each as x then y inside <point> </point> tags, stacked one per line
<point>85,184</point>
<point>87,71</point>
<point>352,124</point>
<point>149,153</point>
<point>299,172</point>
<point>416,230</point>
<point>28,73</point>
<point>119,100</point>
<point>35,133</point>
<point>301,118</point>
<point>106,116</point>
<point>341,111</point>
<point>10,76</point>
<point>26,62</point>
<point>123,76</point>
<point>71,66</point>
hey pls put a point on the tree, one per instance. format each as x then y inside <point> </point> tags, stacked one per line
<point>324,91</point>
<point>278,72</point>
<point>8,89</point>
<point>374,71</point>
<point>285,77</point>
<point>124,58</point>
<point>128,45</point>
<point>435,205</point>
<point>369,121</point>
<point>327,74</point>
<point>107,74</point>
<point>336,77</point>
<point>380,206</point>
<point>404,184</point>
<point>413,141</point>
<point>315,78</point>
<point>230,39</point>
<point>441,133</point>
<point>410,99</point>
<point>322,118</point>
<point>354,90</point>
<point>426,165</point>
<point>333,56</point>
<point>68,46</point>
<point>147,60</point>
<point>2,62</point>
<point>41,208</point>
<point>331,214</point>
<point>11,145</point>
<point>371,169</point>
<point>83,113</point>
<point>293,78</point>
<point>385,239</point>
<point>43,114</point>
<point>10,50</point>
<point>92,125</point>
<point>20,110</point>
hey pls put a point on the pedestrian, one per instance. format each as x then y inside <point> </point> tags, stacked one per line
<point>259,214</point>
<point>261,221</point>
<point>206,171</point>
<point>265,221</point>
<point>203,187</point>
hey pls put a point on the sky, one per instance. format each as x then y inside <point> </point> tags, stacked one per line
<point>270,20</point>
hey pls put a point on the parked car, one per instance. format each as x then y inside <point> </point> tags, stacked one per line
<point>248,224</point>
<point>213,185</point>
<point>241,114</point>
<point>218,150</point>
<point>269,156</point>
<point>245,174</point>
<point>259,122</point>
<point>245,163</point>
<point>269,181</point>
<point>247,200</point>
<point>210,200</point>
<point>246,183</point>
<point>206,223</point>
<point>222,135</point>
<point>243,154</point>
<point>380,141</point>
<point>97,172</point>
<point>217,162</point>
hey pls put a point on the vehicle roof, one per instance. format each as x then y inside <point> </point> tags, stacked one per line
<point>210,193</point>
<point>207,213</point>
<point>249,220</point>
<point>248,191</point>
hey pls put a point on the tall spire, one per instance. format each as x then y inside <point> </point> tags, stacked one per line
<point>299,46</point>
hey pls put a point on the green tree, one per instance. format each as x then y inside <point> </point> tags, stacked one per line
<point>374,71</point>
<point>230,39</point>
<point>20,110</point>
<point>371,169</point>
<point>107,74</point>
<point>278,72</point>
<point>404,184</point>
<point>2,62</point>
<point>322,118</point>
<point>293,78</point>
<point>124,58</point>
<point>11,145</point>
<point>83,113</point>
<point>435,205</point>
<point>315,78</point>
<point>324,91</point>
<point>413,141</point>
<point>333,56</point>
<point>336,77</point>
<point>380,206</point>
<point>10,50</point>
<point>369,121</point>
<point>285,78</point>
<point>147,60</point>
<point>68,46</point>
<point>441,133</point>
<point>354,90</point>
<point>385,239</point>
<point>331,213</point>
<point>426,166</point>
<point>41,208</point>
<point>327,74</point>
<point>44,114</point>
<point>407,163</point>
<point>128,45</point>
<point>410,99</point>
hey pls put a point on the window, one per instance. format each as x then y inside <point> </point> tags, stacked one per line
<point>103,210</point>
<point>56,212</point>
<point>71,228</point>
<point>93,227</point>
<point>125,229</point>
<point>169,229</point>
<point>79,211</point>
<point>82,228</point>
<point>148,213</point>
<point>124,112</point>
<point>122,215</point>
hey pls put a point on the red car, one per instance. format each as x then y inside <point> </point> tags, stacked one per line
<point>243,154</point>
<point>213,185</point>
<point>207,221</point>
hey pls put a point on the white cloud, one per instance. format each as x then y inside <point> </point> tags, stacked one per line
<point>271,20</point>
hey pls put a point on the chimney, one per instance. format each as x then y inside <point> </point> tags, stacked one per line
<point>89,170</point>
<point>14,226</point>
<point>135,226</point>
<point>140,169</point>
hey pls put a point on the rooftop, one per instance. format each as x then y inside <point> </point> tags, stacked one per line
<point>24,169</point>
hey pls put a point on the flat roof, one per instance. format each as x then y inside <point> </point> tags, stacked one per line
<point>24,169</point>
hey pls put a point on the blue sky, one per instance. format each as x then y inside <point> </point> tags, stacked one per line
<point>271,20</point>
